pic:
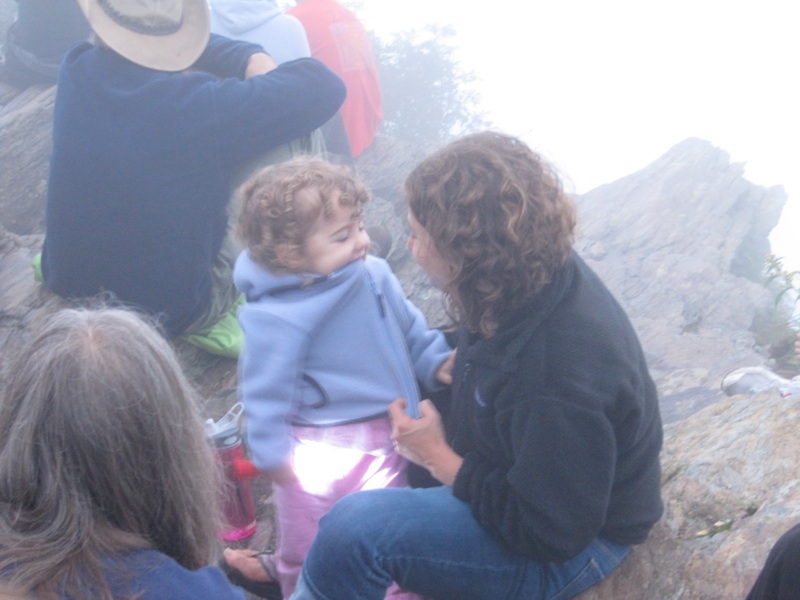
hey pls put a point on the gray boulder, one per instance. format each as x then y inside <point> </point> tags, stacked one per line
<point>731,487</point>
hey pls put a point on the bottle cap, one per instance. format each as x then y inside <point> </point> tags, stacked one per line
<point>226,427</point>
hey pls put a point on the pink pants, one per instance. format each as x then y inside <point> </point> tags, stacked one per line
<point>330,463</point>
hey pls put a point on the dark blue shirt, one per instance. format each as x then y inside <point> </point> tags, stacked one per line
<point>142,162</point>
<point>156,576</point>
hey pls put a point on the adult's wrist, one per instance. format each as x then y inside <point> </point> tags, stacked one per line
<point>444,465</point>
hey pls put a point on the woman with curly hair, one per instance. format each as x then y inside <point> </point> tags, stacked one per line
<point>546,450</point>
<point>108,487</point>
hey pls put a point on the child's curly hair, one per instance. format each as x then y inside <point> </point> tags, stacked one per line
<point>281,205</point>
<point>497,213</point>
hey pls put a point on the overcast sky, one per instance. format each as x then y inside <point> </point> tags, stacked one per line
<point>604,88</point>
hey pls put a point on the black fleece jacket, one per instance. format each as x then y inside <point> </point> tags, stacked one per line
<point>557,419</point>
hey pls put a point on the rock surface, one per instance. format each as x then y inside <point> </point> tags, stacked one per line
<point>733,464</point>
<point>25,120</point>
<point>682,245</point>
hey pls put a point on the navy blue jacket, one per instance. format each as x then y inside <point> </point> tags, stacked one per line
<point>151,575</point>
<point>142,162</point>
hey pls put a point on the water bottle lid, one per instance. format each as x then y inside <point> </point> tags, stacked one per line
<point>227,426</point>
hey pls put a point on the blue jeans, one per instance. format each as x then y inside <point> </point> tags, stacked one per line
<point>428,541</point>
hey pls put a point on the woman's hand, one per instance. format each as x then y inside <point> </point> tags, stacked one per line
<point>422,441</point>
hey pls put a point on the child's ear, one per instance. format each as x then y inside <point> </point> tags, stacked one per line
<point>281,254</point>
<point>289,257</point>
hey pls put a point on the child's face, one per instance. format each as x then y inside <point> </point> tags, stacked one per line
<point>335,241</point>
<point>426,255</point>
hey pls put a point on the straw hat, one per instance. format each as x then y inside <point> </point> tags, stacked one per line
<point>168,35</point>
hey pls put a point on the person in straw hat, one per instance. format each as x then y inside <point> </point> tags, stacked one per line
<point>151,121</point>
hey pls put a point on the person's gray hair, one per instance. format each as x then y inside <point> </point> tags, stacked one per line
<point>102,451</point>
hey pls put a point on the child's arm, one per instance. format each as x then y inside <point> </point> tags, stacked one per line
<point>427,348</point>
<point>267,381</point>
<point>430,354</point>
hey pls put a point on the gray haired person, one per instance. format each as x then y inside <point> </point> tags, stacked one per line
<point>108,488</point>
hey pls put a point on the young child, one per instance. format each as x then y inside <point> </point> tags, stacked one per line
<point>330,342</point>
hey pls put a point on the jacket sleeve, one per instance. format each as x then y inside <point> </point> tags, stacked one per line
<point>253,116</point>
<point>559,427</point>
<point>541,475</point>
<point>268,371</point>
<point>546,495</point>
<point>224,57</point>
<point>427,347</point>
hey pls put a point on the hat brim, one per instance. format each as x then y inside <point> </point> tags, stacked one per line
<point>171,52</point>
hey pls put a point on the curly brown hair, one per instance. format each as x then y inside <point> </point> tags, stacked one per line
<point>281,205</point>
<point>498,215</point>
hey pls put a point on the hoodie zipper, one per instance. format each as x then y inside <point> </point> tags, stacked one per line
<point>410,383</point>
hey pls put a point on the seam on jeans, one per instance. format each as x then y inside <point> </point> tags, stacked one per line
<point>313,588</point>
<point>488,571</point>
<point>586,578</point>
<point>611,553</point>
<point>450,563</point>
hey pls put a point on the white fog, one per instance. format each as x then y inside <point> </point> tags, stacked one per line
<point>604,88</point>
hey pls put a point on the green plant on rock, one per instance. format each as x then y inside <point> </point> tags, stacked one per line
<point>785,282</point>
<point>781,333</point>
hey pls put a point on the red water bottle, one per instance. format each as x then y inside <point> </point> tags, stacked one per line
<point>238,507</point>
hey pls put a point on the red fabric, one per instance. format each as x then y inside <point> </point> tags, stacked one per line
<point>338,39</point>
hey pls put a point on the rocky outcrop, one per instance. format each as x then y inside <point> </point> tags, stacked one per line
<point>731,485</point>
<point>682,244</point>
